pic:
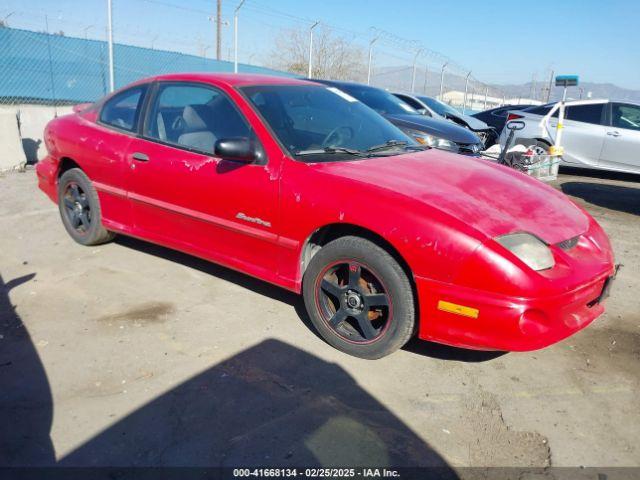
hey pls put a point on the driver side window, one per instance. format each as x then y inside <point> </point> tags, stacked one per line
<point>193,117</point>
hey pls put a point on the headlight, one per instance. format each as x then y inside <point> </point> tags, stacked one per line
<point>431,141</point>
<point>528,248</point>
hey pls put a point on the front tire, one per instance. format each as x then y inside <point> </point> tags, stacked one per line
<point>359,298</point>
<point>79,208</point>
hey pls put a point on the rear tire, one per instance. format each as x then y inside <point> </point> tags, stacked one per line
<point>79,208</point>
<point>359,298</point>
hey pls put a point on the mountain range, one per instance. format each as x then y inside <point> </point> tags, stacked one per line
<point>399,79</point>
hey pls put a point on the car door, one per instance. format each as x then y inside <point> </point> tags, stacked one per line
<point>105,144</point>
<point>185,197</point>
<point>583,134</point>
<point>621,149</point>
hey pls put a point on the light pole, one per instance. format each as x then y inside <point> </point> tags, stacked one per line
<point>235,36</point>
<point>311,46</point>
<point>442,79</point>
<point>374,40</point>
<point>486,92</point>
<point>110,41</point>
<point>466,86</point>
<point>413,77</point>
<point>426,74</point>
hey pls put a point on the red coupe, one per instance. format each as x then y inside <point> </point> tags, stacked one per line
<point>305,187</point>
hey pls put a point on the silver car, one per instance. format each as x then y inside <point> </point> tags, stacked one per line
<point>603,135</point>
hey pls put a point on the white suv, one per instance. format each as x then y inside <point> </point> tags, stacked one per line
<point>604,135</point>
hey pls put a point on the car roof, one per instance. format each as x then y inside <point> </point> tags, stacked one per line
<point>230,79</point>
<point>343,83</point>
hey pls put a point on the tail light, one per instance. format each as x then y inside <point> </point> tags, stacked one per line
<point>513,116</point>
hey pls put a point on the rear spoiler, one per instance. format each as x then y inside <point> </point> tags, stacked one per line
<point>81,107</point>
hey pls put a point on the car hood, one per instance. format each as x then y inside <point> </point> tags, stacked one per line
<point>493,199</point>
<point>472,122</point>
<point>439,127</point>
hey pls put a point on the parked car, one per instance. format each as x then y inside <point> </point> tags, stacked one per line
<point>604,135</point>
<point>497,117</point>
<point>437,109</point>
<point>303,186</point>
<point>435,132</point>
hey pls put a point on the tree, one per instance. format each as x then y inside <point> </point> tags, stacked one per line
<point>333,57</point>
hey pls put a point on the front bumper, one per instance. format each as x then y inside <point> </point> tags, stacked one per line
<point>504,322</point>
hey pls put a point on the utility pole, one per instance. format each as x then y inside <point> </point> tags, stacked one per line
<point>426,75</point>
<point>235,37</point>
<point>549,89</point>
<point>219,31</point>
<point>466,86</point>
<point>374,40</point>
<point>110,41</point>
<point>486,92</point>
<point>532,93</point>
<point>413,77</point>
<point>442,79</point>
<point>311,46</point>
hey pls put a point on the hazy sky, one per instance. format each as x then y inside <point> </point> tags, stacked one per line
<point>500,41</point>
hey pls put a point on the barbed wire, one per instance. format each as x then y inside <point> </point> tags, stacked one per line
<point>394,55</point>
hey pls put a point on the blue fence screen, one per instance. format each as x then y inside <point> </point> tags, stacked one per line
<point>46,68</point>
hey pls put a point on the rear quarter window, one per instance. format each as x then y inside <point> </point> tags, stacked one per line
<point>123,109</point>
<point>585,113</point>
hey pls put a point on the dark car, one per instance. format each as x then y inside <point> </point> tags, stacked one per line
<point>437,133</point>
<point>497,117</point>
<point>435,108</point>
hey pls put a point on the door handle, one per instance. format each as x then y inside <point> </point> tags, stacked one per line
<point>140,157</point>
<point>615,133</point>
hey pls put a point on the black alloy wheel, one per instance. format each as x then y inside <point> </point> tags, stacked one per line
<point>353,302</point>
<point>359,298</point>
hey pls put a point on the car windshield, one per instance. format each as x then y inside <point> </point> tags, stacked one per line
<point>381,101</point>
<point>317,123</point>
<point>439,107</point>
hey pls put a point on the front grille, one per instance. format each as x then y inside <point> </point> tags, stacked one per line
<point>568,244</point>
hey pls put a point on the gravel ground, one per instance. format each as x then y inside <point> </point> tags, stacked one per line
<point>131,354</point>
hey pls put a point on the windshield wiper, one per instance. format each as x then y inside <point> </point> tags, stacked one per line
<point>393,144</point>
<point>331,150</point>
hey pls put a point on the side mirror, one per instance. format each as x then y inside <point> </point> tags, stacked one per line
<point>424,111</point>
<point>240,149</point>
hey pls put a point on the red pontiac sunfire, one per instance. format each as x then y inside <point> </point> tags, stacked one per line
<point>305,187</point>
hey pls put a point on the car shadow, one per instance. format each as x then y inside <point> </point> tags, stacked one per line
<point>612,197</point>
<point>445,352</point>
<point>270,405</point>
<point>416,346</point>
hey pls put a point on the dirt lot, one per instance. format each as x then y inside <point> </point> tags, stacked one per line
<point>131,354</point>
